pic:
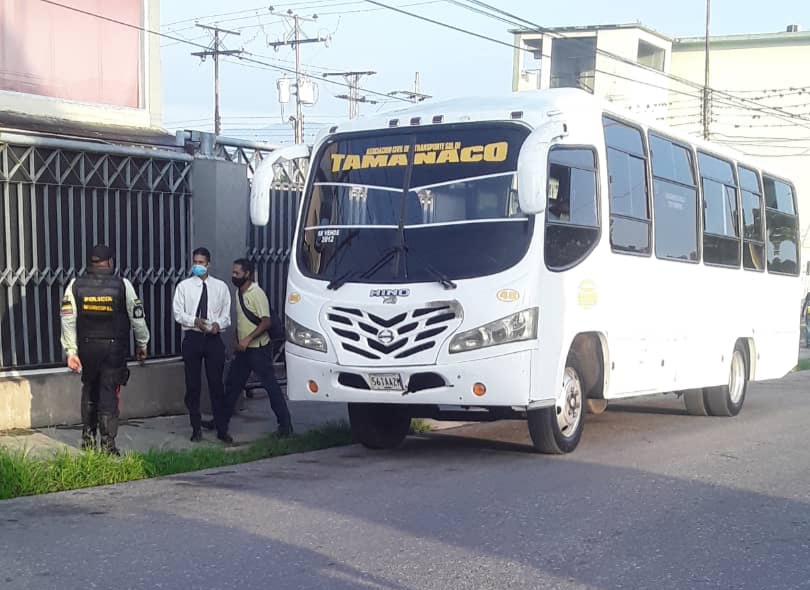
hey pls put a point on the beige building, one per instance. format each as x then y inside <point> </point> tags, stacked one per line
<point>760,103</point>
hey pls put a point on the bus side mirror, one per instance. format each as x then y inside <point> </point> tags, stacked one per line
<point>265,176</point>
<point>532,166</point>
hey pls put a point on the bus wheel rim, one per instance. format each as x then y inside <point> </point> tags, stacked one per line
<point>736,380</point>
<point>570,404</point>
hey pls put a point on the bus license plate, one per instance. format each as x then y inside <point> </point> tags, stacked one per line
<point>386,382</point>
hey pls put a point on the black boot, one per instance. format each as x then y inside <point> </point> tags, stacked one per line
<point>285,429</point>
<point>89,425</point>
<point>88,438</point>
<point>109,430</point>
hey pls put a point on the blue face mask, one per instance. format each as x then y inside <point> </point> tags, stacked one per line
<point>198,270</point>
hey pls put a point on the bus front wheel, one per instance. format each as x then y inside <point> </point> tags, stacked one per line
<point>379,426</point>
<point>557,430</point>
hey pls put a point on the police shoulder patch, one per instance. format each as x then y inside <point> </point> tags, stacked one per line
<point>137,312</point>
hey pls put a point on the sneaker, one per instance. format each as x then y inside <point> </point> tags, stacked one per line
<point>196,435</point>
<point>225,437</point>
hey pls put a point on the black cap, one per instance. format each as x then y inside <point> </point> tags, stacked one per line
<point>100,253</point>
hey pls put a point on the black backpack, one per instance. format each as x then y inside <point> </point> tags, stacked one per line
<point>276,331</point>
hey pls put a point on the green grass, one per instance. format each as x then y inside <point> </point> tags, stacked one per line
<point>804,365</point>
<point>24,475</point>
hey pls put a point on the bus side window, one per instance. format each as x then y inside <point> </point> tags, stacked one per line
<point>780,221</point>
<point>630,225</point>
<point>572,219</point>
<point>752,211</point>
<point>721,217</point>
<point>674,201</point>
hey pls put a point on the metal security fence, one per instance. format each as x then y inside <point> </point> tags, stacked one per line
<point>270,246</point>
<point>57,199</point>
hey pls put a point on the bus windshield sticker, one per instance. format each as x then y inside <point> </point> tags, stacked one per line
<point>424,154</point>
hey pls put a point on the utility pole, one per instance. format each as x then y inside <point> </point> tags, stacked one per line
<point>296,43</point>
<point>414,95</point>
<point>354,98</point>
<point>215,51</point>
<point>706,88</point>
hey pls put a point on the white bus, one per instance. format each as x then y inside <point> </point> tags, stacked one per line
<point>533,256</point>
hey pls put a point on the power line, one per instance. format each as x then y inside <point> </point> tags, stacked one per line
<point>354,98</point>
<point>245,56</point>
<point>415,95</point>
<point>268,7</point>
<point>445,25</point>
<point>297,6</point>
<point>296,43</point>
<point>538,28</point>
<point>215,51</point>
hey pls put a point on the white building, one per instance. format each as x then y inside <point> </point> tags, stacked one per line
<point>759,102</point>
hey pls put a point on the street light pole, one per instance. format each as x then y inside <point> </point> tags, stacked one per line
<point>706,88</point>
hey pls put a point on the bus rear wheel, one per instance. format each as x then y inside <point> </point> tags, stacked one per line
<point>723,400</point>
<point>695,402</point>
<point>379,426</point>
<point>727,400</point>
<point>558,429</point>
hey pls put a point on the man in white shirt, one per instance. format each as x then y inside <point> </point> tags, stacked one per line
<point>202,307</point>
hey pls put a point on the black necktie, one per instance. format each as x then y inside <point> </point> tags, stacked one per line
<point>202,307</point>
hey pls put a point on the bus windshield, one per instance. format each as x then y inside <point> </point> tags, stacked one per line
<point>444,198</point>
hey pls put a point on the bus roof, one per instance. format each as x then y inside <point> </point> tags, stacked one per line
<point>531,107</point>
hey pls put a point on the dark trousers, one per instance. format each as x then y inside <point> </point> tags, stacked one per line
<point>199,347</point>
<point>259,361</point>
<point>104,367</point>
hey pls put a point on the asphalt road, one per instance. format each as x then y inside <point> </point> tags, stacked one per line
<point>653,498</point>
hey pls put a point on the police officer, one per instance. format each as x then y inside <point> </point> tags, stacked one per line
<point>97,312</point>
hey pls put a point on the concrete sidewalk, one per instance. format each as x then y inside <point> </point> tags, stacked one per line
<point>253,421</point>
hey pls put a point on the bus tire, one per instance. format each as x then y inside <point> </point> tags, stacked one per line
<point>379,426</point>
<point>558,429</point>
<point>695,402</point>
<point>727,400</point>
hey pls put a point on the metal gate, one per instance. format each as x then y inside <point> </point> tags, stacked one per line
<point>57,199</point>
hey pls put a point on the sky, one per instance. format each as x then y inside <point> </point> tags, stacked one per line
<point>365,37</point>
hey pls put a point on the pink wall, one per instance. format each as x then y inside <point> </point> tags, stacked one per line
<point>52,51</point>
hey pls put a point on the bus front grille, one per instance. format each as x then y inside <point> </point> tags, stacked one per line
<point>405,335</point>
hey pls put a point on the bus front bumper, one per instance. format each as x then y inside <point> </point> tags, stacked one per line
<point>506,381</point>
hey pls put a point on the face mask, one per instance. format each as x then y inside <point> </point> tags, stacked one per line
<point>198,270</point>
<point>239,281</point>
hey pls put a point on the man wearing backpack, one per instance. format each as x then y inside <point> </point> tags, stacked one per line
<point>253,349</point>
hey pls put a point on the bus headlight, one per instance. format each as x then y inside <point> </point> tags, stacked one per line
<point>514,328</point>
<point>304,337</point>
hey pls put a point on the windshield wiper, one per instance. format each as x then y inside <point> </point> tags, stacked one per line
<point>442,278</point>
<point>384,259</point>
<point>338,282</point>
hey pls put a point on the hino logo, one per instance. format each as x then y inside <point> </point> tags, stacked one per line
<point>389,295</point>
<point>385,336</point>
